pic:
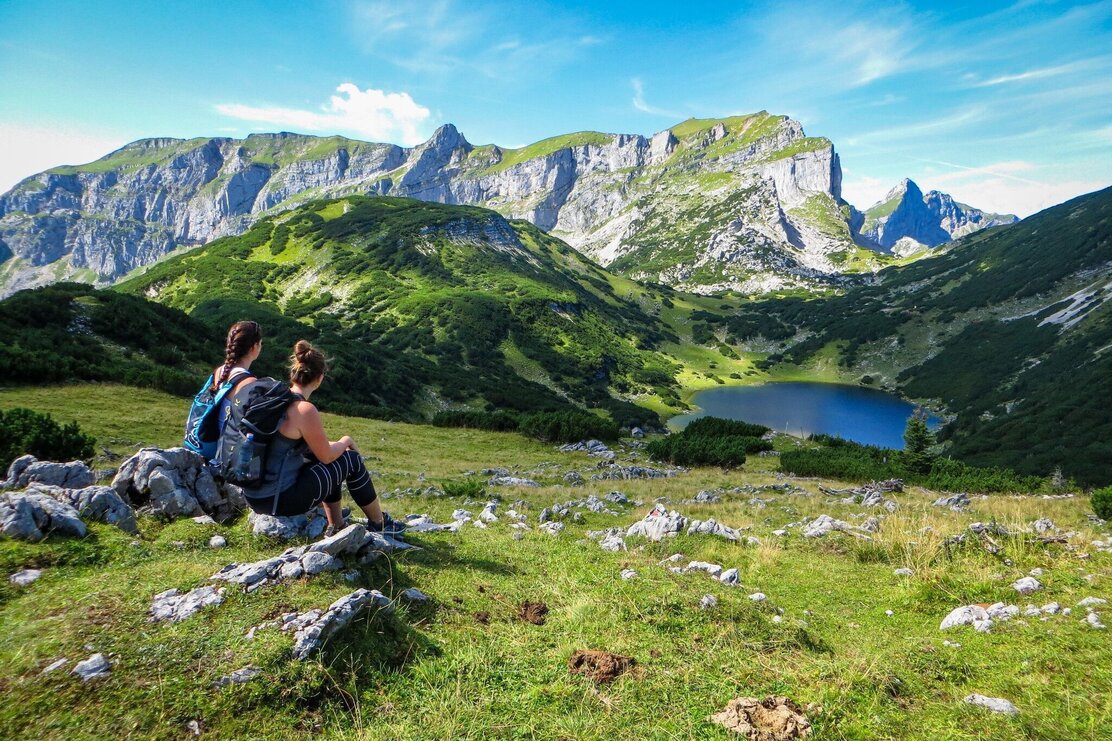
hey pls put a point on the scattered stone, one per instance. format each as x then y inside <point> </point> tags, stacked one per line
<point>730,577</point>
<point>55,666</point>
<point>770,719</point>
<point>413,594</point>
<point>612,543</point>
<point>617,472</point>
<point>511,481</point>
<point>204,520</point>
<point>1002,612</point>
<point>315,627</point>
<point>533,612</point>
<point>552,528</point>
<point>32,516</point>
<point>824,524</point>
<point>637,432</point>
<point>99,503</point>
<point>780,533</point>
<point>574,478</point>
<point>194,727</point>
<point>995,704</point>
<point>217,541</point>
<point>674,558</point>
<point>617,498</point>
<point>488,513</point>
<point>1093,619</point>
<point>1091,602</point>
<point>1044,525</point>
<point>967,615</point>
<point>951,644</point>
<point>28,469</point>
<point>706,497</point>
<point>711,527</point>
<point>1035,572</point>
<point>758,597</point>
<point>628,574</point>
<point>595,448</point>
<point>1027,585</point>
<point>711,568</point>
<point>957,502</point>
<point>25,577</point>
<point>708,602</point>
<point>601,666</point>
<point>657,524</point>
<point>317,562</point>
<point>94,667</point>
<point>175,483</point>
<point>889,613</point>
<point>173,606</point>
<point>1053,608</point>
<point>904,572</point>
<point>239,676</point>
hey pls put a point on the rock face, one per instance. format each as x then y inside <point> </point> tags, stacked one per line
<point>175,483</point>
<point>28,469</point>
<point>748,202</point>
<point>100,503</point>
<point>908,220</point>
<point>32,516</point>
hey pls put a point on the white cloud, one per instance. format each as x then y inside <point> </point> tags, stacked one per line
<point>1012,195</point>
<point>374,114</point>
<point>31,149</point>
<point>1036,74</point>
<point>640,104</point>
<point>863,190</point>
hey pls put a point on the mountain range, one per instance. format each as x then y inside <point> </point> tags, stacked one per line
<point>746,203</point>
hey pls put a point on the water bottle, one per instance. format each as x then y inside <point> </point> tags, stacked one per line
<point>246,464</point>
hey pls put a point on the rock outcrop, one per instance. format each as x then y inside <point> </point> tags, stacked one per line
<point>748,202</point>
<point>28,469</point>
<point>30,516</point>
<point>175,483</point>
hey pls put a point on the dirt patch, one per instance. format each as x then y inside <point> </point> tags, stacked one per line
<point>482,617</point>
<point>533,612</point>
<point>601,666</point>
<point>770,719</point>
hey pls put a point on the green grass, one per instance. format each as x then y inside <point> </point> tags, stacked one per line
<point>133,156</point>
<point>544,147</point>
<point>437,673</point>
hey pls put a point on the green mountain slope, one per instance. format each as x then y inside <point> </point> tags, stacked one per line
<point>1010,329</point>
<point>424,306</point>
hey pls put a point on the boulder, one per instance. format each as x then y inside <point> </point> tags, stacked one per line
<point>28,469</point>
<point>175,483</point>
<point>511,481</point>
<point>824,524</point>
<point>312,633</point>
<point>309,525</point>
<point>967,615</point>
<point>1027,585</point>
<point>657,524</point>
<point>995,704</point>
<point>99,503</point>
<point>712,527</point>
<point>173,606</point>
<point>31,516</point>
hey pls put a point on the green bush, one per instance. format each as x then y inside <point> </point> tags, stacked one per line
<point>23,431</point>
<point>473,487</point>
<point>568,427</point>
<point>710,441</point>
<point>1101,500</point>
<point>496,421</point>
<point>718,427</point>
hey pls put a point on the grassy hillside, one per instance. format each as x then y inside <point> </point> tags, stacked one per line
<point>1009,329</point>
<point>822,636</point>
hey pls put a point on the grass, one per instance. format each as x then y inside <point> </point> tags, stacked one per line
<point>435,672</point>
<point>544,147</point>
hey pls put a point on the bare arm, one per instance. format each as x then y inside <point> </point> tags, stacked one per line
<point>312,431</point>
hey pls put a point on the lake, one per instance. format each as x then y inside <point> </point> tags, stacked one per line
<point>852,412</point>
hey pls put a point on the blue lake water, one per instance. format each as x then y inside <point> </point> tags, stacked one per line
<point>852,412</point>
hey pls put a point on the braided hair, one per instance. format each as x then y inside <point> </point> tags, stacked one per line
<point>242,336</point>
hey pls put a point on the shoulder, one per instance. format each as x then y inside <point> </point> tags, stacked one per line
<point>304,409</point>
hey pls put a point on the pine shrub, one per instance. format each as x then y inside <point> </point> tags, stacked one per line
<point>1101,500</point>
<point>23,432</point>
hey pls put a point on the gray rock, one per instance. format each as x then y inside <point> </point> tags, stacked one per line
<point>612,543</point>
<point>55,666</point>
<point>31,516</point>
<point>1044,525</point>
<point>511,481</point>
<point>552,528</point>
<point>1092,602</point>
<point>311,634</point>
<point>711,568</point>
<point>413,594</point>
<point>173,606</point>
<point>1093,619</point>
<point>709,601</point>
<point>758,597</point>
<point>349,540</point>
<point>825,524</point>
<point>573,478</point>
<point>622,473</point>
<point>731,577</point>
<point>904,572</point>
<point>99,503</point>
<point>637,432</point>
<point>957,502</point>
<point>657,524</point>
<point>217,541</point>
<point>309,525</point>
<point>967,615</point>
<point>25,577</point>
<point>175,483</point>
<point>712,527</point>
<point>628,574</point>
<point>995,704</point>
<point>317,562</point>
<point>28,469</point>
<point>239,676</point>
<point>291,570</point>
<point>94,667</point>
<point>1027,585</point>
<point>617,498</point>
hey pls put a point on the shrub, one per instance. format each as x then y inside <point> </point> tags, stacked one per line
<point>23,431</point>
<point>710,441</point>
<point>1101,500</point>
<point>718,427</point>
<point>567,426</point>
<point>496,421</point>
<point>917,442</point>
<point>472,487</point>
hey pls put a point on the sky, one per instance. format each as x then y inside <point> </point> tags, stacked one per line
<point>1007,106</point>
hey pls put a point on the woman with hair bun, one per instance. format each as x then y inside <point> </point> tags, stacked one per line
<point>305,469</point>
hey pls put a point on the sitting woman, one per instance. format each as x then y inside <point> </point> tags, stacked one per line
<point>304,469</point>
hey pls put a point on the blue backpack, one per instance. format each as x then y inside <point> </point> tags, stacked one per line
<point>203,426</point>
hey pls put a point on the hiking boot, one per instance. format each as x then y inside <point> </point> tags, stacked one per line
<point>389,526</point>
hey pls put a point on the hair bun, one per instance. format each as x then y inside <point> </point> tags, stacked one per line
<point>302,351</point>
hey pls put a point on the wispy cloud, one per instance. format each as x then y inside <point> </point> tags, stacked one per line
<point>374,114</point>
<point>1036,74</point>
<point>640,104</point>
<point>951,122</point>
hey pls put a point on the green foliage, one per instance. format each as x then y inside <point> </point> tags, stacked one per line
<point>23,432</point>
<point>568,426</point>
<point>710,441</point>
<point>495,421</point>
<point>917,442</point>
<point>469,488</point>
<point>1101,500</point>
<point>850,461</point>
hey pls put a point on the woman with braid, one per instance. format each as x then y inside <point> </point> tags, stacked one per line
<point>209,411</point>
<point>242,348</point>
<point>304,469</point>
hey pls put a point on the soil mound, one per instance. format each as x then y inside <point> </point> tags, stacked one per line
<point>601,666</point>
<point>533,612</point>
<point>770,719</point>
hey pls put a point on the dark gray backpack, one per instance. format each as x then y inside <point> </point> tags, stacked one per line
<point>254,416</point>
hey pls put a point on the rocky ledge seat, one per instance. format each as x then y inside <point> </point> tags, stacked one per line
<point>175,483</point>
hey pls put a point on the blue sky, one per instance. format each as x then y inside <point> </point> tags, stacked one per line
<point>1008,106</point>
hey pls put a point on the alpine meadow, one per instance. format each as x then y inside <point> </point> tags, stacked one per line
<point>709,428</point>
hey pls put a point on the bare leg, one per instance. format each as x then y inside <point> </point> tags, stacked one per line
<point>373,512</point>
<point>334,514</point>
